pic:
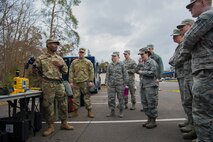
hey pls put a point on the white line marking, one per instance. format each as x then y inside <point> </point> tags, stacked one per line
<point>99,96</point>
<point>107,103</point>
<point>99,103</point>
<point>121,121</point>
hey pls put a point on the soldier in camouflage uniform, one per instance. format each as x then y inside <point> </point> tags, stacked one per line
<point>179,70</point>
<point>116,81</point>
<point>140,67</point>
<point>51,67</point>
<point>158,60</point>
<point>149,88</point>
<point>130,66</point>
<point>81,79</point>
<point>199,43</point>
<point>185,25</point>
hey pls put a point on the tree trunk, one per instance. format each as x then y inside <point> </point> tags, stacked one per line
<point>52,19</point>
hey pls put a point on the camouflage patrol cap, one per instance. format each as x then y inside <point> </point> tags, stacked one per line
<point>150,46</point>
<point>127,52</point>
<point>50,40</point>
<point>142,50</point>
<point>115,54</point>
<point>82,50</point>
<point>190,4</point>
<point>176,32</point>
<point>185,22</point>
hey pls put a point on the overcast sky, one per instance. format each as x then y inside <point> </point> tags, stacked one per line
<point>117,25</point>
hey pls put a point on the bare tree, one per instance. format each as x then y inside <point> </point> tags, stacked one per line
<point>20,37</point>
<point>62,23</point>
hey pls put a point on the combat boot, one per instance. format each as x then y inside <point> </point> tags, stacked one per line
<point>90,113</point>
<point>190,135</point>
<point>187,128</point>
<point>185,123</point>
<point>147,122</point>
<point>151,124</point>
<point>133,107</point>
<point>49,130</point>
<point>66,126</point>
<point>112,113</point>
<point>121,115</point>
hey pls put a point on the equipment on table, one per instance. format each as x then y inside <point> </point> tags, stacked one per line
<point>21,84</point>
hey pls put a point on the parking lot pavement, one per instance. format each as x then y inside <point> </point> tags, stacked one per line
<point>126,129</point>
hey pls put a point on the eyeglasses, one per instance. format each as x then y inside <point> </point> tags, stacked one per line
<point>81,52</point>
<point>125,54</point>
<point>142,54</point>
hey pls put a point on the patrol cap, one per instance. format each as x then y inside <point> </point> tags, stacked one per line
<point>142,50</point>
<point>185,22</point>
<point>150,46</point>
<point>82,50</point>
<point>115,54</point>
<point>190,4</point>
<point>127,52</point>
<point>50,40</point>
<point>176,32</point>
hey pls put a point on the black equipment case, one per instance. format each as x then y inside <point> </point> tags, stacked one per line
<point>18,130</point>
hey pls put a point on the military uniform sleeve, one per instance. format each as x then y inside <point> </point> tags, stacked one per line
<point>91,72</point>
<point>132,70</point>
<point>181,56</point>
<point>64,69</point>
<point>125,75</point>
<point>137,68</point>
<point>203,25</point>
<point>37,66</point>
<point>153,69</point>
<point>71,72</point>
<point>107,75</point>
<point>171,61</point>
<point>174,60</point>
<point>184,56</point>
<point>160,67</point>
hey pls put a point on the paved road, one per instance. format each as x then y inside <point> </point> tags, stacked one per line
<point>127,129</point>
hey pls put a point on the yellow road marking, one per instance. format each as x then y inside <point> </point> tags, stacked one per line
<point>3,103</point>
<point>176,91</point>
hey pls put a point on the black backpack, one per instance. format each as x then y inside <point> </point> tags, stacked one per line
<point>4,91</point>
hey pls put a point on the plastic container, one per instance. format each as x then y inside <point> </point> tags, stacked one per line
<point>126,91</point>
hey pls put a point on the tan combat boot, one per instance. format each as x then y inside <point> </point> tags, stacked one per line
<point>90,113</point>
<point>49,130</point>
<point>75,113</point>
<point>66,126</point>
